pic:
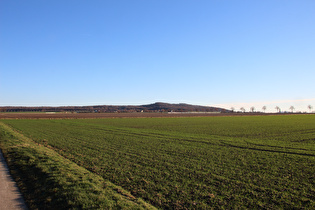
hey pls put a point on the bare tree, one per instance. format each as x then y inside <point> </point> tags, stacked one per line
<point>252,109</point>
<point>292,108</point>
<point>310,107</point>
<point>264,108</point>
<point>232,108</point>
<point>278,109</point>
<point>242,109</point>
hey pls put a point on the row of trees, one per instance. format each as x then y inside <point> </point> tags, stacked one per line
<point>252,109</point>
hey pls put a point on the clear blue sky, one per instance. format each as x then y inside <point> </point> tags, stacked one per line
<point>207,52</point>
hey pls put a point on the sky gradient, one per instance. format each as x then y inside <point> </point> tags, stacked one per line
<point>205,52</point>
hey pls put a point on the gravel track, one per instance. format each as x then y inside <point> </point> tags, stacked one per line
<point>10,195</point>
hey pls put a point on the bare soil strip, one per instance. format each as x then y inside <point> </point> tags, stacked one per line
<point>10,196</point>
<point>60,115</point>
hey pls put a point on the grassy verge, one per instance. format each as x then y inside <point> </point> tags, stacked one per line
<point>50,181</point>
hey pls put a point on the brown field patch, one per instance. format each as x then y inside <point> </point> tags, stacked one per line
<point>43,115</point>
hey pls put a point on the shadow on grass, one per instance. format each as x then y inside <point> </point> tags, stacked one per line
<point>36,185</point>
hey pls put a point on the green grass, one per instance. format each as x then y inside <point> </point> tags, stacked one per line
<point>198,162</point>
<point>50,181</point>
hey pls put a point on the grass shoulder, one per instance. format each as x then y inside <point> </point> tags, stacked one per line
<point>50,181</point>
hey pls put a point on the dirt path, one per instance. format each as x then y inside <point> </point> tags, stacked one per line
<point>10,196</point>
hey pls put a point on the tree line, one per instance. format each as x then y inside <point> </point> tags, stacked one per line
<point>264,108</point>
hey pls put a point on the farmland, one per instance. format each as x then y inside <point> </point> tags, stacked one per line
<point>189,162</point>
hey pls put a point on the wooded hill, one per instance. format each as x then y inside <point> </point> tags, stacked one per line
<point>156,107</point>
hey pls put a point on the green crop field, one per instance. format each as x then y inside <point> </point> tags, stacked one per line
<point>193,162</point>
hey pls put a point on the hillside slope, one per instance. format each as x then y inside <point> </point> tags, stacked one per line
<point>155,107</point>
